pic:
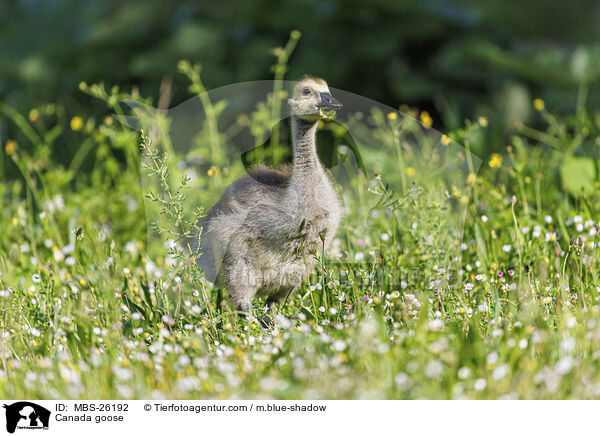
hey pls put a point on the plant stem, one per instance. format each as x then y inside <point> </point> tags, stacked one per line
<point>164,181</point>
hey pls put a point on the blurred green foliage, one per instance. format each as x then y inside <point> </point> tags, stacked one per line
<point>457,59</point>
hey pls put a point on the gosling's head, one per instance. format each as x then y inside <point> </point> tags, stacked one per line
<point>312,100</point>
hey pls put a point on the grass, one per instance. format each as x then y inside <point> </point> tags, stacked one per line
<point>400,306</point>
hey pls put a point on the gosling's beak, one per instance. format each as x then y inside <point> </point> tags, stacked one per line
<point>328,102</point>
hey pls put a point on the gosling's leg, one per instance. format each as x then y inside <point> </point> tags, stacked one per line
<point>280,296</point>
<point>243,284</point>
<point>276,299</point>
<point>240,279</point>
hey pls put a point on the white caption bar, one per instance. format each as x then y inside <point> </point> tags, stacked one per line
<point>150,417</point>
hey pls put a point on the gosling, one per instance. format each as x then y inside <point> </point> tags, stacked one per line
<point>258,236</point>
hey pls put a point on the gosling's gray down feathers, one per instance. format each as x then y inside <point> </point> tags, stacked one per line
<point>251,238</point>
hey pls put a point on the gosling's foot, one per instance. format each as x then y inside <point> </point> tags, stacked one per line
<point>265,322</point>
<point>245,313</point>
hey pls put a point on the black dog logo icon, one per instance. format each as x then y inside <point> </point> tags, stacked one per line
<point>26,415</point>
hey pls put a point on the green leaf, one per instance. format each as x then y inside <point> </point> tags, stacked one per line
<point>578,174</point>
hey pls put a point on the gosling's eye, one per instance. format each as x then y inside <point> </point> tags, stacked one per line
<point>306,91</point>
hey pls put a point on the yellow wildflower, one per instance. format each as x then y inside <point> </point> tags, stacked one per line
<point>426,119</point>
<point>539,104</point>
<point>11,147</point>
<point>471,178</point>
<point>212,171</point>
<point>483,121</point>
<point>76,123</point>
<point>392,116</point>
<point>445,140</point>
<point>34,115</point>
<point>410,171</point>
<point>495,160</point>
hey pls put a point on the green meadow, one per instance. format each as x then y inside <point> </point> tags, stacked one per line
<point>477,281</point>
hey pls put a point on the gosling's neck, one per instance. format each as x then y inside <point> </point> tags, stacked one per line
<point>304,138</point>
